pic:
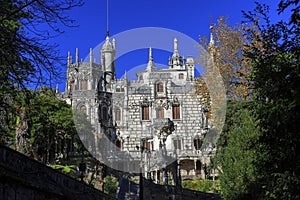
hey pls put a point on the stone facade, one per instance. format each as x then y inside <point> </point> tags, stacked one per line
<point>157,116</point>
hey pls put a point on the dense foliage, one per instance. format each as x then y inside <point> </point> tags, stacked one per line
<point>27,59</point>
<point>258,150</point>
<point>276,75</point>
<point>237,153</point>
<point>202,185</point>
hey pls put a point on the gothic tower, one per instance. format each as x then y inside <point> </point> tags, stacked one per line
<point>108,56</point>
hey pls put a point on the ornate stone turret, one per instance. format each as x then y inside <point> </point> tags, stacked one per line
<point>108,56</point>
<point>190,65</point>
<point>176,62</point>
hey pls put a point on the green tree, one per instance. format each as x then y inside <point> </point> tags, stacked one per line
<point>111,185</point>
<point>276,77</point>
<point>26,56</point>
<point>45,127</point>
<point>236,154</point>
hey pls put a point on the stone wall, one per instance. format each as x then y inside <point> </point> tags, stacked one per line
<point>154,191</point>
<point>22,178</point>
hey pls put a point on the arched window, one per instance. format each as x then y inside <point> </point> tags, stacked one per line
<point>119,143</point>
<point>197,143</point>
<point>160,113</point>
<point>84,84</point>
<point>160,87</point>
<point>176,111</point>
<point>72,85</point>
<point>118,114</point>
<point>83,109</point>
<point>145,113</point>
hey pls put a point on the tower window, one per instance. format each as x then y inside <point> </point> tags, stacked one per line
<point>176,111</point>
<point>160,87</point>
<point>181,76</point>
<point>145,113</point>
<point>160,113</point>
<point>72,85</point>
<point>148,145</point>
<point>118,114</point>
<point>83,109</point>
<point>177,144</point>
<point>84,84</point>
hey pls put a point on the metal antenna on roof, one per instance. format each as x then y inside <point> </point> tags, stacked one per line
<point>107,30</point>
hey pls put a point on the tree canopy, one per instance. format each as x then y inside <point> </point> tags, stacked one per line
<point>27,59</point>
<point>258,149</point>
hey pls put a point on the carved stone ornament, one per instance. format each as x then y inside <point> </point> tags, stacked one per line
<point>162,103</point>
<point>175,101</point>
<point>145,102</point>
<point>134,106</point>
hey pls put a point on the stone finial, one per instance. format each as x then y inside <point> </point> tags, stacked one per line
<point>114,43</point>
<point>77,56</point>
<point>91,55</point>
<point>150,54</point>
<point>125,75</point>
<point>175,53</point>
<point>69,58</point>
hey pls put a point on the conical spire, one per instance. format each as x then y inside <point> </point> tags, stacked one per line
<point>125,75</point>
<point>150,66</point>
<point>211,41</point>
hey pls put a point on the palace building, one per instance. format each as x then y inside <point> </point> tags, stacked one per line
<point>157,119</point>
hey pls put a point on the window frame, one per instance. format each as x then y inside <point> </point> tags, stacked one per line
<point>181,76</point>
<point>160,87</point>
<point>145,113</point>
<point>177,144</point>
<point>160,113</point>
<point>176,114</point>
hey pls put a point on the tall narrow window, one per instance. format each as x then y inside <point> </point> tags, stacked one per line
<point>72,85</point>
<point>160,113</point>
<point>177,144</point>
<point>84,85</point>
<point>119,143</point>
<point>176,111</point>
<point>118,114</point>
<point>197,143</point>
<point>148,145</point>
<point>159,87</point>
<point>198,167</point>
<point>145,113</point>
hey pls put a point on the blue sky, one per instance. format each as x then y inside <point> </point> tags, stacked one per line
<point>190,17</point>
